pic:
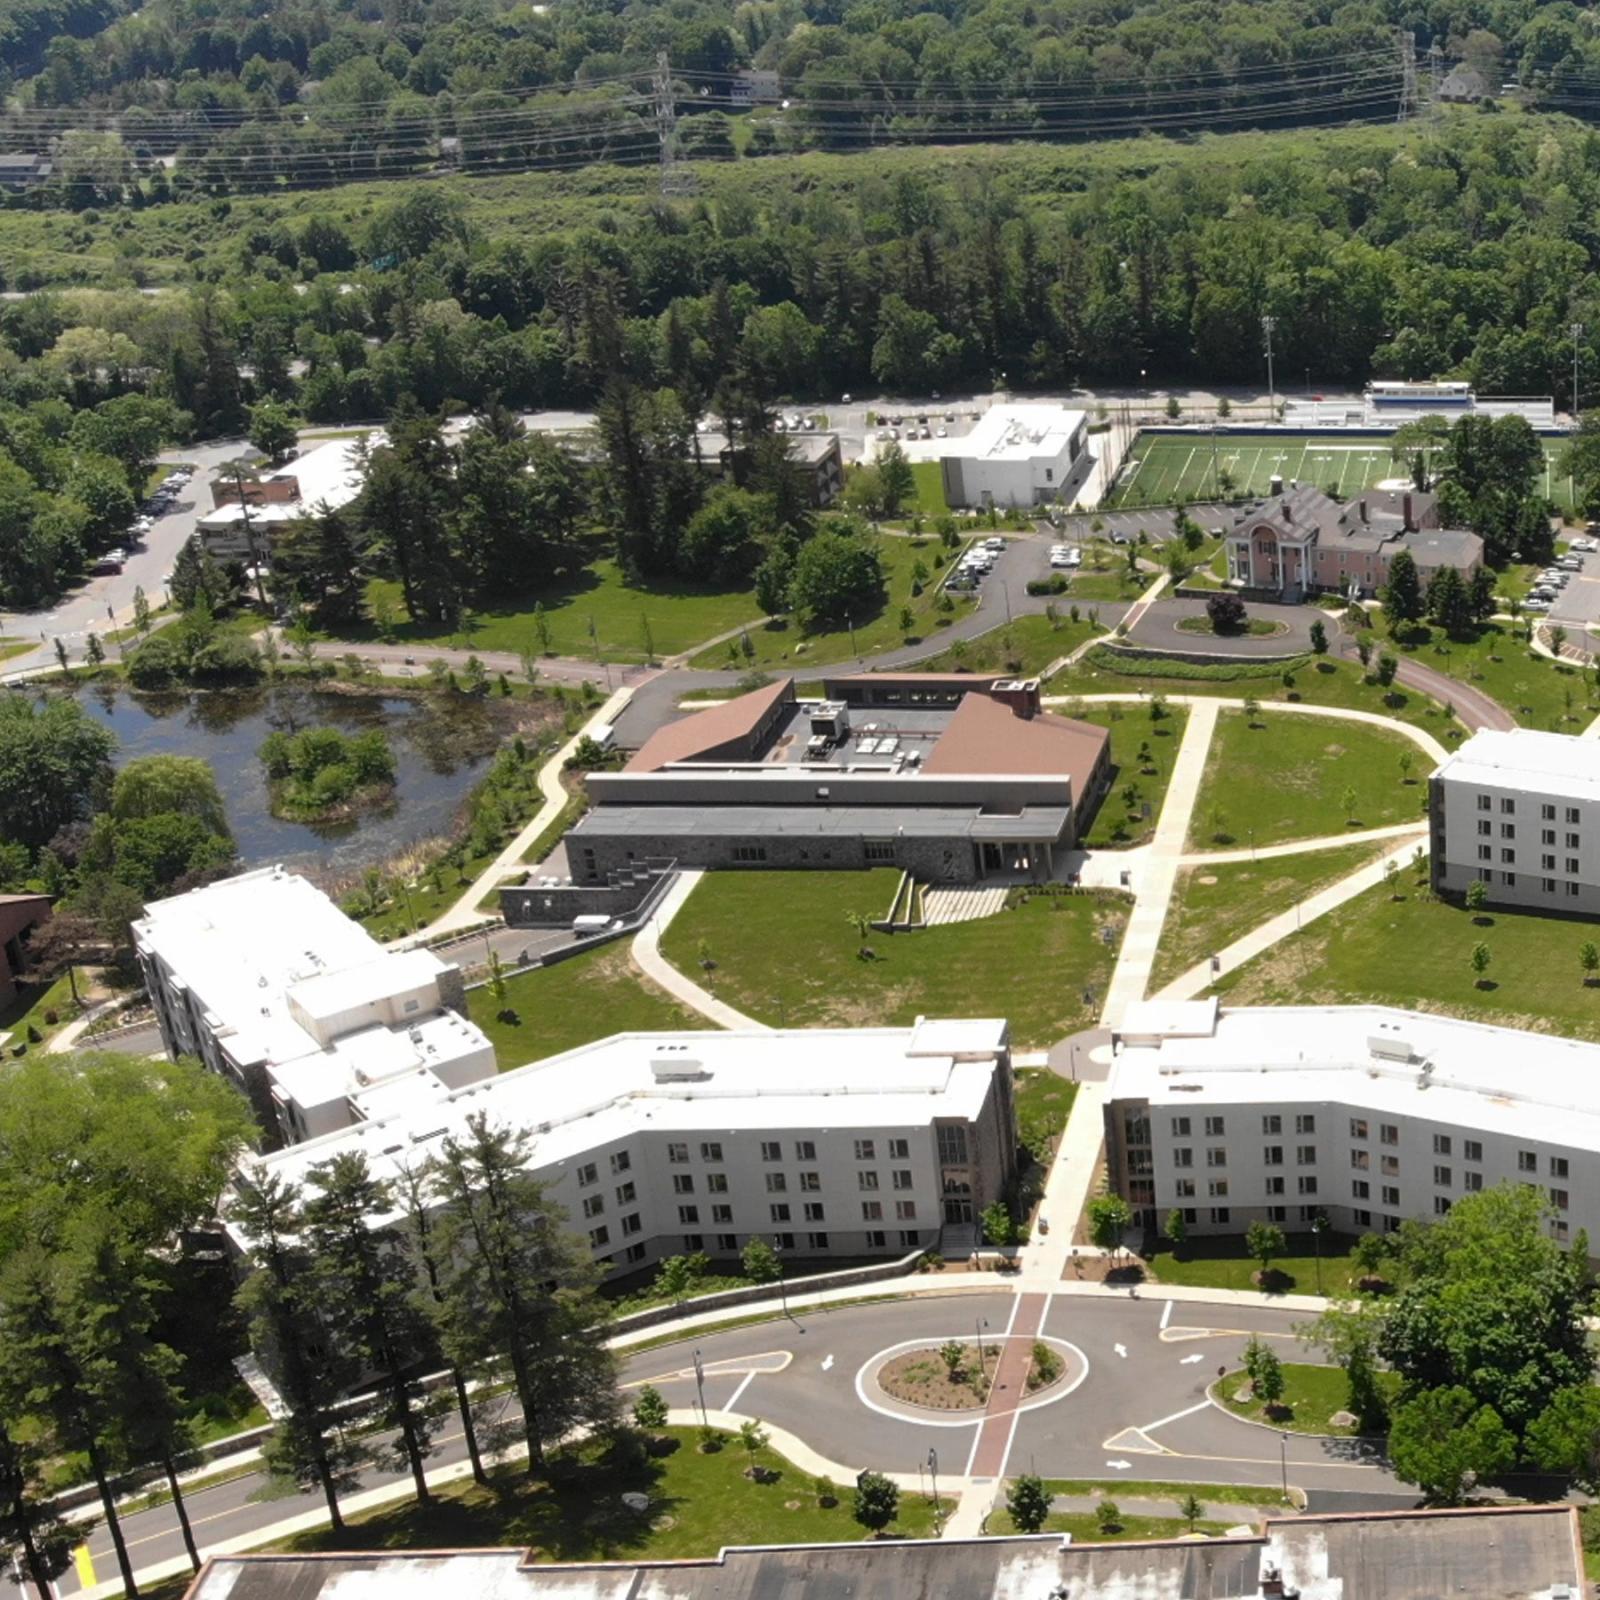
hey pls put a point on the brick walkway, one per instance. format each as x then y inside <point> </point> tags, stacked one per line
<point>1009,1389</point>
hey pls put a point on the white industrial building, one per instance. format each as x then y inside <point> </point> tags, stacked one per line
<point>265,980</point>
<point>1016,455</point>
<point>326,478</point>
<point>826,1142</point>
<point>1519,811</point>
<point>1366,1115</point>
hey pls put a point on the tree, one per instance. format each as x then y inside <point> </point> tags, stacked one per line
<point>1264,1241</point>
<point>1348,800</point>
<point>1110,1217</point>
<point>518,1290</point>
<point>1176,1229</point>
<point>1191,1509</point>
<point>1480,959</point>
<point>897,482</point>
<point>1406,762</point>
<point>34,1537</point>
<point>998,1226</point>
<point>1402,594</point>
<point>1226,612</point>
<point>1565,1436</point>
<point>1319,637</point>
<point>877,1501</point>
<point>362,1293</point>
<point>649,1409</point>
<point>1445,1442</point>
<point>141,611</point>
<point>754,1439</point>
<point>1450,602</point>
<point>837,576</point>
<point>1265,1371</point>
<point>677,1275</point>
<point>1108,1516</point>
<point>1481,599</point>
<point>94,653</point>
<point>62,659</point>
<point>1028,1502</point>
<point>759,1262</point>
<point>150,786</point>
<point>1388,668</point>
<point>1589,960</point>
<point>954,1354</point>
<point>271,429</point>
<point>1477,896</point>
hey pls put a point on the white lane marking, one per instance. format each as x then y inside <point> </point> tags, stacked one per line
<point>1150,1427</point>
<point>745,1382</point>
<point>1119,1466</point>
<point>827,1362</point>
<point>1189,1361</point>
<point>1122,1350</point>
<point>1166,1316</point>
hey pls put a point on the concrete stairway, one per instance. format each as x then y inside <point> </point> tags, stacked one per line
<point>963,902</point>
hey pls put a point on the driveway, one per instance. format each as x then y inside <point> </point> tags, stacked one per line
<point>1158,629</point>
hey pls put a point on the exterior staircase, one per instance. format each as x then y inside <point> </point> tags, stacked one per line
<point>963,902</point>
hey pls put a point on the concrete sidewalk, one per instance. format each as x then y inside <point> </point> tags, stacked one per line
<point>1303,847</point>
<point>647,953</point>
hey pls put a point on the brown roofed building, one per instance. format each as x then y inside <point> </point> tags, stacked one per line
<point>20,914</point>
<point>734,731</point>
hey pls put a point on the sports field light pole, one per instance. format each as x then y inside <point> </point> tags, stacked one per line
<point>1576,330</point>
<point>1267,325</point>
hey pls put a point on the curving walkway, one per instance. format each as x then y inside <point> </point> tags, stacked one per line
<point>647,953</point>
<point>1301,847</point>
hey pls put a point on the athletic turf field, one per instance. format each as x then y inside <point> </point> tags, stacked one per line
<point>1163,468</point>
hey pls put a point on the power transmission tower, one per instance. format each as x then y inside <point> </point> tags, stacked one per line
<point>1435,77</point>
<point>1408,77</point>
<point>675,180</point>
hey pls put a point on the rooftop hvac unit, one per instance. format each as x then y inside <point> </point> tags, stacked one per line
<point>665,1069</point>
<point>1387,1049</point>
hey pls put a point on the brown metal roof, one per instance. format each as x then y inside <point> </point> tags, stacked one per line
<point>711,729</point>
<point>986,736</point>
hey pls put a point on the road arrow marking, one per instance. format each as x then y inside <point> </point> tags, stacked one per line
<point>1119,1466</point>
<point>1189,1361</point>
<point>827,1363</point>
<point>1122,1350</point>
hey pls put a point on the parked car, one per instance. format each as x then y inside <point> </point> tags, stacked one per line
<point>1117,536</point>
<point>1586,546</point>
<point>994,542</point>
<point>1570,563</point>
<point>1074,557</point>
<point>1535,602</point>
<point>1060,558</point>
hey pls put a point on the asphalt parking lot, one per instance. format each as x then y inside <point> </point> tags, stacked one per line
<point>1579,603</point>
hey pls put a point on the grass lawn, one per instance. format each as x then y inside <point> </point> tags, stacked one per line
<point>1221,1263</point>
<point>1311,1393</point>
<point>681,615</point>
<point>1414,952</point>
<point>698,1504</point>
<point>1142,754</point>
<point>1217,1494</point>
<point>1104,574</point>
<point>783,642</point>
<point>574,1002</point>
<point>1533,688</point>
<point>1026,645</point>
<point>15,647</point>
<point>928,497</point>
<point>27,1010</point>
<point>1033,962</point>
<point>1044,1102</point>
<point>1213,906</point>
<point>1275,779</point>
<point>1316,681</point>
<point>1085,1527</point>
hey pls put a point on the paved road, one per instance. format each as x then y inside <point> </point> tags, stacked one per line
<point>1158,628</point>
<point>1474,708</point>
<point>1142,1401</point>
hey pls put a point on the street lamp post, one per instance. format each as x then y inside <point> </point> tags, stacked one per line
<point>979,1324</point>
<point>783,1292</point>
<point>1283,1462</point>
<point>1267,325</point>
<point>1319,1225</point>
<point>933,1472</point>
<point>1576,330</point>
<point>700,1386</point>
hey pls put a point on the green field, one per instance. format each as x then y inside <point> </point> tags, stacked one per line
<point>1142,753</point>
<point>1311,1396</point>
<point>1162,469</point>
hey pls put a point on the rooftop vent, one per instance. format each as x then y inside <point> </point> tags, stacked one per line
<point>673,1061</point>
<point>1389,1048</point>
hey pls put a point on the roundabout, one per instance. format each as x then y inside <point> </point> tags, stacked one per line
<point>1017,1374</point>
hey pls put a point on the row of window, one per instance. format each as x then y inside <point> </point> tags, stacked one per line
<point>953,1138</point>
<point>1361,1189</point>
<point>728,1243</point>
<point>1217,1127</point>
<point>1388,1133</point>
<point>1547,812</point>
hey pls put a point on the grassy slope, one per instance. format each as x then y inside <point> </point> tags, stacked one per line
<point>1275,779</point>
<point>1027,645</point>
<point>1044,953</point>
<point>1531,687</point>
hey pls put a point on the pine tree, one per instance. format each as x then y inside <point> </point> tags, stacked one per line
<point>363,1286</point>
<point>519,1292</point>
<point>34,1537</point>
<point>1402,594</point>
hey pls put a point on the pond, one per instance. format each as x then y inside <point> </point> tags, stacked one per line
<point>440,747</point>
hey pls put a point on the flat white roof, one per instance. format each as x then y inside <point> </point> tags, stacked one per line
<point>1523,758</point>
<point>330,475</point>
<point>804,1079</point>
<point>1408,1063</point>
<point>1016,433</point>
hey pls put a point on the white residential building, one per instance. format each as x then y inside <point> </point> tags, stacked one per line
<point>1365,1114</point>
<point>845,1142</point>
<point>265,980</point>
<point>1520,811</point>
<point>327,477</point>
<point>1016,455</point>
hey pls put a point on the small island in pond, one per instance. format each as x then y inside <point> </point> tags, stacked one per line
<point>323,775</point>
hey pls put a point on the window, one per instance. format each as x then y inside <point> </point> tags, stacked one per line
<point>1572,864</point>
<point>1359,1159</point>
<point>810,1183</point>
<point>814,1212</point>
<point>1574,840</point>
<point>1220,1215</point>
<point>621,1162</point>
<point>1183,1157</point>
<point>905,1210</point>
<point>876,1238</point>
<point>749,852</point>
<point>1389,1166</point>
<point>1216,1156</point>
<point>1508,857</point>
<point>1485,828</point>
<point>1547,836</point>
<point>716,1183</point>
<point>594,1205</point>
<point>631,1224</point>
<point>1527,1161</point>
<point>1360,1189</point>
<point>777,1183</point>
<point>1574,890</point>
<point>1441,1204</point>
<point>778,1213</point>
<point>1558,1198</point>
<point>1547,864</point>
<point>1214,1127</point>
<point>1558,1166</point>
<point>727,1243</point>
<point>689,1215</point>
<point>1485,852</point>
<point>1272,1155</point>
<point>683,1183</point>
<point>872,1211</point>
<point>599,1238</point>
<point>805,1150</point>
<point>903,1178</point>
<point>634,1252</point>
<point>878,849</point>
<point>1472,1182</point>
<point>1305,1155</point>
<point>1472,1149</point>
<point>722,1213</point>
<point>1391,1196</point>
<point>1509,879</point>
<point>1218,1188</point>
<point>1269,1125</point>
<point>1558,1230</point>
<point>1443,1177</point>
<point>899,1149</point>
<point>1306,1185</point>
<point>1508,806</point>
<point>1363,1219</point>
<point>1548,813</point>
<point>1277,1213</point>
<point>587,1173</point>
<point>1180,1127</point>
<point>865,1150</point>
<point>953,1143</point>
<point>1484,802</point>
<point>771,1150</point>
<point>867,1180</point>
<point>817,1241</point>
<point>1388,1133</point>
<point>909,1237</point>
<point>677,1154</point>
<point>785,1241</point>
<point>1274,1185</point>
<point>1358,1128</point>
<point>1572,815</point>
<point>624,1193</point>
<point>1508,830</point>
<point>1548,885</point>
<point>1305,1124</point>
<point>711,1150</point>
<point>1184,1188</point>
<point>1441,1144</point>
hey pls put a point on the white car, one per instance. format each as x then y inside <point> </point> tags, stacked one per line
<point>1584,546</point>
<point>994,543</point>
<point>1535,602</point>
<point>1060,558</point>
<point>1074,557</point>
